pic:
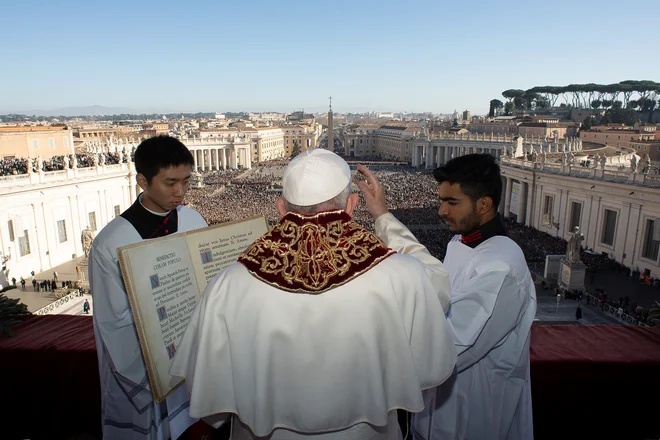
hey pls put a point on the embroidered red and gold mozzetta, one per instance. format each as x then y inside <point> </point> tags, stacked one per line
<point>313,253</point>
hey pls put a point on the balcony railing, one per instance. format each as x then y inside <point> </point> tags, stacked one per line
<point>609,174</point>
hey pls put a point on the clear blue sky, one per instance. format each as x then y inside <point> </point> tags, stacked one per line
<point>280,55</point>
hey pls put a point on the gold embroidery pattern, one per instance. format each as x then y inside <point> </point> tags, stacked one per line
<point>312,254</point>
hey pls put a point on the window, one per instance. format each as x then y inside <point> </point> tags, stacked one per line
<point>35,144</point>
<point>61,230</point>
<point>576,213</point>
<point>51,142</point>
<point>651,240</point>
<point>65,141</point>
<point>547,209</point>
<point>609,227</point>
<point>24,244</point>
<point>10,226</point>
<point>92,220</point>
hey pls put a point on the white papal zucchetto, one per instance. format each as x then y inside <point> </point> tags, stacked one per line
<point>315,176</point>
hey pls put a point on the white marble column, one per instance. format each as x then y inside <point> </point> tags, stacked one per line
<point>232,157</point>
<point>507,197</point>
<point>500,208</point>
<point>429,157</point>
<point>248,157</point>
<point>522,203</point>
<point>194,154</point>
<point>223,158</point>
<point>529,202</point>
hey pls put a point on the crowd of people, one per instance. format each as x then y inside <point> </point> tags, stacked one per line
<point>411,195</point>
<point>18,165</point>
<point>9,167</point>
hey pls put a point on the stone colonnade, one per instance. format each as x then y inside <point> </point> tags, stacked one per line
<point>516,203</point>
<point>214,158</point>
<point>432,155</point>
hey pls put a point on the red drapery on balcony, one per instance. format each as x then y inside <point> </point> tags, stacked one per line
<point>587,381</point>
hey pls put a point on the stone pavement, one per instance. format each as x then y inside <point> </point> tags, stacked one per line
<point>549,313</point>
<point>36,300</point>
<point>617,284</point>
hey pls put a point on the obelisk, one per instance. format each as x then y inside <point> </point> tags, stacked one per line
<point>331,134</point>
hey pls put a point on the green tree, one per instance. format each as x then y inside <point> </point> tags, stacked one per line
<point>648,105</point>
<point>588,123</point>
<point>619,115</point>
<point>495,106</point>
<point>596,103</point>
<point>509,108</point>
<point>11,313</point>
<point>295,150</point>
<point>654,313</point>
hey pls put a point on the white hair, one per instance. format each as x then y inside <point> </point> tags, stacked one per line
<point>337,202</point>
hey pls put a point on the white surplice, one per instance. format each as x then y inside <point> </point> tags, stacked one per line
<point>493,304</point>
<point>334,365</point>
<point>128,409</point>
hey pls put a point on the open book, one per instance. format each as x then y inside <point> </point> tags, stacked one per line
<point>164,279</point>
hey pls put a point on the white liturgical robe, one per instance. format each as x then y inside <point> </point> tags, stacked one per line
<point>493,304</point>
<point>128,409</point>
<point>335,365</point>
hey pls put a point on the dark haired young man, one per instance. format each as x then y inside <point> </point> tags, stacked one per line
<point>492,306</point>
<point>164,166</point>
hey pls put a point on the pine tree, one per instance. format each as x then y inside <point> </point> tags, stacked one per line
<point>11,311</point>
<point>295,150</point>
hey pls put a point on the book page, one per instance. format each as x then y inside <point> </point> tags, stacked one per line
<point>163,294</point>
<point>164,279</point>
<point>217,247</point>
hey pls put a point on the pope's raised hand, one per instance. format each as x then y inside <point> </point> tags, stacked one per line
<point>372,190</point>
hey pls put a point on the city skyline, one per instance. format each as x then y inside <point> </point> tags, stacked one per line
<point>371,56</point>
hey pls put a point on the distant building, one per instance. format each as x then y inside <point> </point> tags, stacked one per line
<point>306,136</point>
<point>619,135</point>
<point>93,132</point>
<point>466,115</point>
<point>547,129</point>
<point>386,141</point>
<point>300,117</point>
<point>156,127</point>
<point>34,141</point>
<point>500,125</point>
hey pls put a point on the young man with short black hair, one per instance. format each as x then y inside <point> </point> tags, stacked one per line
<point>164,166</point>
<point>492,306</point>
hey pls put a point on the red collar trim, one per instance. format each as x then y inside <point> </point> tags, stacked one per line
<point>313,254</point>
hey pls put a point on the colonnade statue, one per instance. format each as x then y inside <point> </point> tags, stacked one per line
<point>87,237</point>
<point>573,247</point>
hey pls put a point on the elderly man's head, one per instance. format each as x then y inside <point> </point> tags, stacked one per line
<point>317,180</point>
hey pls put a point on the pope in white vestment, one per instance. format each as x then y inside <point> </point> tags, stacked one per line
<point>319,329</point>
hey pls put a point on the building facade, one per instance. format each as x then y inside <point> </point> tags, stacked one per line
<point>389,142</point>
<point>618,135</point>
<point>44,214</point>
<point>35,141</point>
<point>618,211</point>
<point>306,136</point>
